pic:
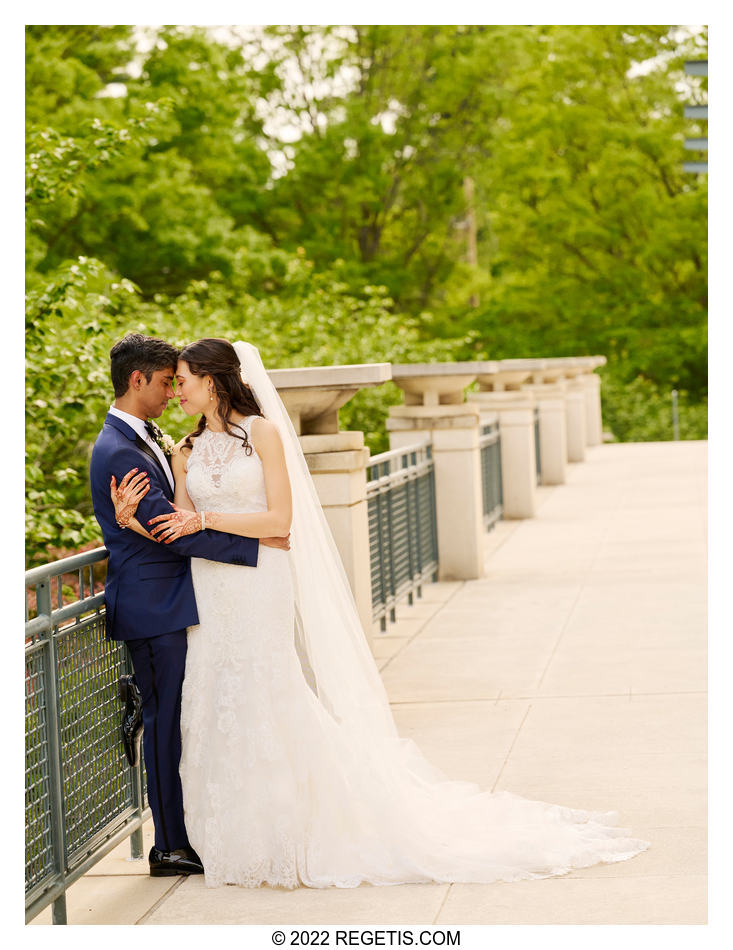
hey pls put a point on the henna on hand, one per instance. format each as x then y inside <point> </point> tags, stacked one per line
<point>176,524</point>
<point>124,516</point>
<point>128,495</point>
<point>192,526</point>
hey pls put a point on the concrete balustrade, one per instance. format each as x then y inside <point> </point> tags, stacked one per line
<point>434,407</point>
<point>504,375</point>
<point>313,395</point>
<point>580,369</point>
<point>592,383</point>
<point>548,371</point>
<point>562,431</point>
<point>565,390</point>
<point>575,415</point>
<point>511,388</point>
<point>564,370</point>
<point>515,409</point>
<point>336,460</point>
<point>592,392</point>
<point>551,401</point>
<point>547,383</point>
<point>503,388</point>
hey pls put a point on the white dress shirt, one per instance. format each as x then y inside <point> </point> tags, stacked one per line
<point>139,426</point>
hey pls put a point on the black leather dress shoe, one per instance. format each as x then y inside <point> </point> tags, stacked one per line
<point>132,718</point>
<point>180,861</point>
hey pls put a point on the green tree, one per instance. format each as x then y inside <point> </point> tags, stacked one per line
<point>69,323</point>
<point>157,209</point>
<point>599,238</point>
<point>395,118</point>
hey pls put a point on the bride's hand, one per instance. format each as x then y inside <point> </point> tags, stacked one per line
<point>282,543</point>
<point>175,525</point>
<point>132,489</point>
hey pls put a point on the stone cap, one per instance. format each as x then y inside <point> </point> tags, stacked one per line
<point>412,370</point>
<point>313,395</point>
<point>505,373</point>
<point>356,375</point>
<point>533,363</point>
<point>571,366</point>
<point>548,386</point>
<point>430,417</point>
<point>504,399</point>
<point>433,384</point>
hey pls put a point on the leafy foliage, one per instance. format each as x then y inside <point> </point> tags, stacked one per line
<point>69,321</point>
<point>305,187</point>
<point>311,321</point>
<point>639,411</point>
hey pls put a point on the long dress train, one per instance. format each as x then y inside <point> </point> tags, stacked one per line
<point>278,790</point>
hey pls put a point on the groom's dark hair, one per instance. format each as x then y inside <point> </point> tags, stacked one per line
<point>136,351</point>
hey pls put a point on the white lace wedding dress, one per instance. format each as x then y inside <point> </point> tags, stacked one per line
<point>278,791</point>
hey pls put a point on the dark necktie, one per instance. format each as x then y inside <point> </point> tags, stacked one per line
<point>152,430</point>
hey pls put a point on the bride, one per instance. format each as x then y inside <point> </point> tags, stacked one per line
<point>292,769</point>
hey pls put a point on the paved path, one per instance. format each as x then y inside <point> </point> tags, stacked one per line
<point>574,672</point>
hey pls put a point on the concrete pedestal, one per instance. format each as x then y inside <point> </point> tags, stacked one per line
<point>550,398</point>
<point>575,414</point>
<point>454,432</point>
<point>518,460</point>
<point>337,462</point>
<point>593,421</point>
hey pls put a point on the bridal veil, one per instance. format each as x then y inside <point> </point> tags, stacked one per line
<point>446,830</point>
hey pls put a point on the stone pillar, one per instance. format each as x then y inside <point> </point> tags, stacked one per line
<point>337,463</point>
<point>550,399</point>
<point>518,460</point>
<point>454,432</point>
<point>593,420</point>
<point>575,408</point>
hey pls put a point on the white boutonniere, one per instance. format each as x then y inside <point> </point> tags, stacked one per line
<point>167,443</point>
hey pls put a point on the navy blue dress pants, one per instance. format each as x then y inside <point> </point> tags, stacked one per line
<point>159,664</point>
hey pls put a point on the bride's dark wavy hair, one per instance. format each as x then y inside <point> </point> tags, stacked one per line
<point>218,359</point>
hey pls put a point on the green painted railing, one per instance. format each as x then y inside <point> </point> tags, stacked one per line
<point>81,797</point>
<point>537,459</point>
<point>491,485</point>
<point>403,531</point>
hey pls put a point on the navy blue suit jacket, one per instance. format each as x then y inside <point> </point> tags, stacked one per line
<point>149,591</point>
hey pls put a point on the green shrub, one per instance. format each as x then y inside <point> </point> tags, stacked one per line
<point>640,411</point>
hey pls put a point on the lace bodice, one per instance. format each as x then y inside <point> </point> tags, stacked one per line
<point>221,476</point>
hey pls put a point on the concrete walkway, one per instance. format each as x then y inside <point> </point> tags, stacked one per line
<point>574,672</point>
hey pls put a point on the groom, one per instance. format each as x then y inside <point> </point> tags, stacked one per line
<point>149,591</point>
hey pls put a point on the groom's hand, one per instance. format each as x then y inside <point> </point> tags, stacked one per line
<point>282,543</point>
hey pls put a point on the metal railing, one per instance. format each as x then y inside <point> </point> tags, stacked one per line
<point>537,459</point>
<point>491,485</point>
<point>81,797</point>
<point>403,530</point>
